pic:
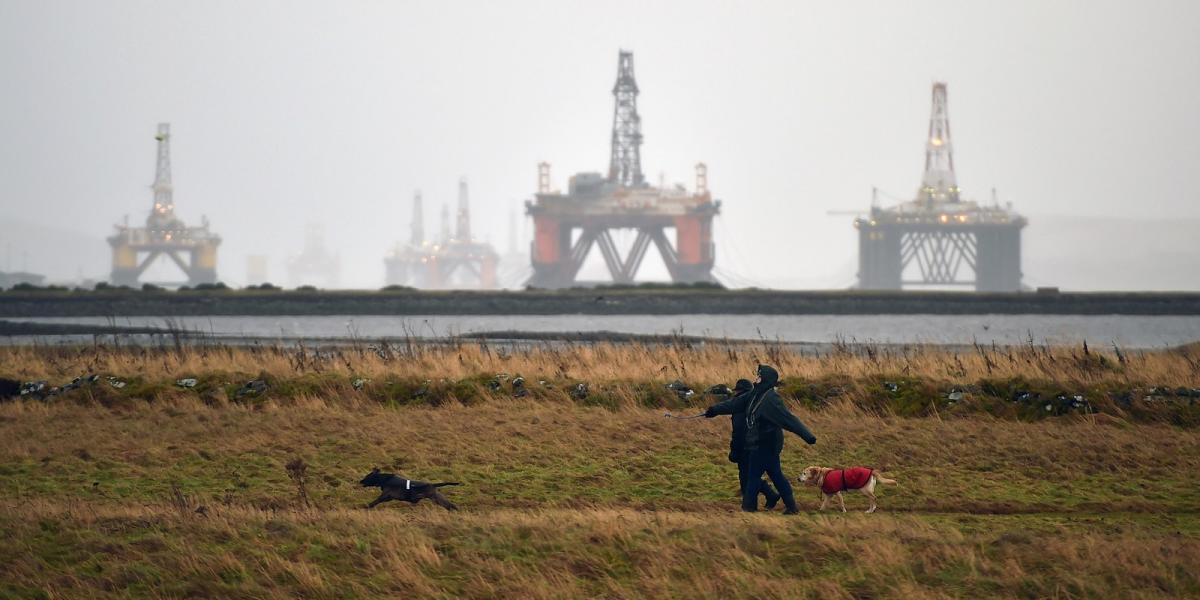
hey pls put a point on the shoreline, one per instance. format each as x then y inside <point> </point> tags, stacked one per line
<point>599,301</point>
<point>32,333</point>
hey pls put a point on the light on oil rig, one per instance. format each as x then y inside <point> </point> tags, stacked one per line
<point>939,242</point>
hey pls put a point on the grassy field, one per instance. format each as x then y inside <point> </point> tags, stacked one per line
<point>152,489</point>
<point>1025,382</point>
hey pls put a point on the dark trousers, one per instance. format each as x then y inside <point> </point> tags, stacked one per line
<point>764,487</point>
<point>759,461</point>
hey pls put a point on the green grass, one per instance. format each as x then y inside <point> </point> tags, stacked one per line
<point>100,489</point>
<point>569,455</point>
<point>598,552</point>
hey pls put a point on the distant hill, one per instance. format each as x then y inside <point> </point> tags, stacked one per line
<point>1072,253</point>
<point>63,254</point>
<point>1091,253</point>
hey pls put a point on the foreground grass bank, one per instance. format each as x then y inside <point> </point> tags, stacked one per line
<point>1029,382</point>
<point>612,553</point>
<point>177,497</point>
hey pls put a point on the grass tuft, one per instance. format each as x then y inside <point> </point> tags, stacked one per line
<point>154,489</point>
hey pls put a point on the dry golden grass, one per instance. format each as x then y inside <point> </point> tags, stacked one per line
<point>620,362</point>
<point>525,453</point>
<point>610,553</point>
<point>563,500</point>
<point>600,497</point>
<point>1026,383</point>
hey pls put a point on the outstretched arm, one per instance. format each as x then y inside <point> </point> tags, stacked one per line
<point>731,406</point>
<point>774,410</point>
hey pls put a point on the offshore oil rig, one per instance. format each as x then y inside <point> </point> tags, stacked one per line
<point>164,233</point>
<point>315,264</point>
<point>934,235</point>
<point>451,261</point>
<point>594,205</point>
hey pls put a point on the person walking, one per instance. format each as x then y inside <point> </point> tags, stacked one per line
<point>766,417</point>
<point>737,448</point>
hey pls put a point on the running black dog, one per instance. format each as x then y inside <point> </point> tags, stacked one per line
<point>398,488</point>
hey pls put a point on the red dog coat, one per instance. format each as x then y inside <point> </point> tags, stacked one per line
<point>839,480</point>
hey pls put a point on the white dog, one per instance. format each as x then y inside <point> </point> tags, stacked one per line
<point>835,481</point>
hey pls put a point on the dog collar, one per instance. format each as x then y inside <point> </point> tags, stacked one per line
<point>407,484</point>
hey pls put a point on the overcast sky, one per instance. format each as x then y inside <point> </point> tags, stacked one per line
<point>292,113</point>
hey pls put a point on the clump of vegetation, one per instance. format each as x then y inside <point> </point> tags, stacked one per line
<point>657,285</point>
<point>297,471</point>
<point>1021,383</point>
<point>181,497</point>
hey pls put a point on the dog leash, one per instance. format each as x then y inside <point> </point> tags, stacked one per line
<point>671,416</point>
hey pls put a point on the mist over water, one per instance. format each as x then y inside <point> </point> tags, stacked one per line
<point>1123,330</point>
<point>291,114</point>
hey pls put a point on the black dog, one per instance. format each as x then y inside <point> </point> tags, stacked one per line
<point>408,490</point>
<point>9,387</point>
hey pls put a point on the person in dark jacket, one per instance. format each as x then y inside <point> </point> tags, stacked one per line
<point>737,448</point>
<point>766,418</point>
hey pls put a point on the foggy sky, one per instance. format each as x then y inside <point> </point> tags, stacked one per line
<point>292,113</point>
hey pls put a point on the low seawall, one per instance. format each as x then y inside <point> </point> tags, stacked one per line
<point>118,303</point>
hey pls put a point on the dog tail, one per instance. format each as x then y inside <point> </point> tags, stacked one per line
<point>450,483</point>
<point>881,479</point>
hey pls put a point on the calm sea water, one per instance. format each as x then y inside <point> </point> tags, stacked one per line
<point>1125,331</point>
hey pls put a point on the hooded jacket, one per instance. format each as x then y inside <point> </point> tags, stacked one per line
<point>766,415</point>
<point>737,439</point>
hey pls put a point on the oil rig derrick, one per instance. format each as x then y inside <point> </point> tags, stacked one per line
<point>927,241</point>
<point>315,264</point>
<point>566,226</point>
<point>455,260</point>
<point>135,248</point>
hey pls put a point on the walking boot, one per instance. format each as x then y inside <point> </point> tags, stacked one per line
<point>790,503</point>
<point>772,498</point>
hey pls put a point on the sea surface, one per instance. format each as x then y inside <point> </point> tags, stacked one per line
<point>1126,331</point>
